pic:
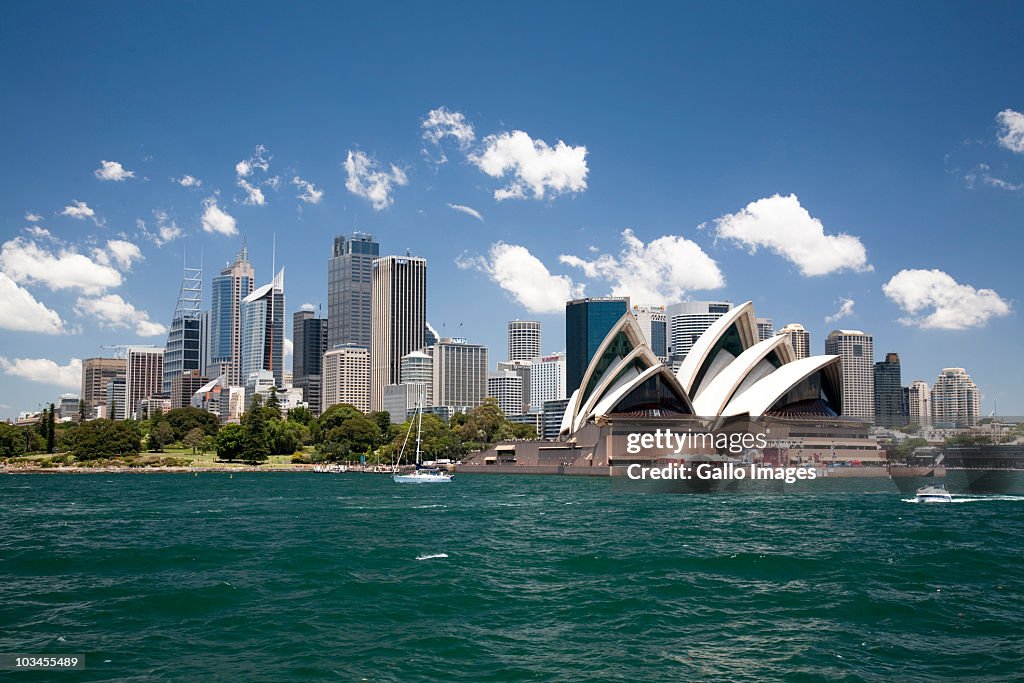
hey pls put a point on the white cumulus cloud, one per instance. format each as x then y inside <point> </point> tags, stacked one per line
<point>79,210</point>
<point>254,195</point>
<point>525,277</point>
<point>23,313</point>
<point>114,312</point>
<point>33,217</point>
<point>365,178</point>
<point>188,181</point>
<point>44,371</point>
<point>166,229</point>
<point>660,272</point>
<point>123,253</point>
<point>216,220</point>
<point>442,122</point>
<point>468,210</point>
<point>780,224</point>
<point>933,299</point>
<point>309,192</point>
<point>26,262</point>
<point>845,311</point>
<point>289,347</point>
<point>260,160</point>
<point>534,166</point>
<point>112,170</point>
<point>1011,130</point>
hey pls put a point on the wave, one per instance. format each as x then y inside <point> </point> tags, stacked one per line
<point>434,556</point>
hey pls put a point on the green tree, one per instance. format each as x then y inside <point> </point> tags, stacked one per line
<point>12,441</point>
<point>81,410</point>
<point>302,415</point>
<point>273,403</point>
<point>184,420</point>
<point>286,437</point>
<point>194,438</point>
<point>229,442</point>
<point>905,449</point>
<point>51,430</point>
<point>160,436</point>
<point>106,439</point>
<point>484,423</point>
<point>521,431</point>
<point>207,444</point>
<point>382,418</point>
<point>255,443</point>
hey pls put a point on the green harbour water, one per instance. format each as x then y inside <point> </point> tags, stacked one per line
<point>315,577</point>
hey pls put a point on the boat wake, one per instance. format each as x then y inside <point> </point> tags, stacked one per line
<point>434,556</point>
<point>970,499</point>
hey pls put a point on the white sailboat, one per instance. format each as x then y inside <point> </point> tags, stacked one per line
<point>421,475</point>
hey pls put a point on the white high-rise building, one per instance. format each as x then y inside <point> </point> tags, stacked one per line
<point>460,374</point>
<point>402,400</point>
<point>523,339</point>
<point>919,404</point>
<point>398,319</point>
<point>654,322</point>
<point>507,387</point>
<point>262,331</point>
<point>799,339</point>
<point>346,377</point>
<point>857,351</point>
<point>687,321</point>
<point>418,368</point>
<point>547,380</point>
<point>955,399</point>
<point>765,329</point>
<point>523,368</point>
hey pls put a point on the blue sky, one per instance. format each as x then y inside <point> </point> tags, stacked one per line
<point>854,150</point>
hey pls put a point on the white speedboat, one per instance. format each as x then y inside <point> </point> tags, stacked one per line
<point>934,493</point>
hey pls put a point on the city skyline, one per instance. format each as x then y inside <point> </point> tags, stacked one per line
<point>880,218</point>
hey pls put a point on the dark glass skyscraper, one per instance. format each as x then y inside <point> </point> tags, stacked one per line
<point>349,282</point>
<point>889,403</point>
<point>587,323</point>
<point>309,335</point>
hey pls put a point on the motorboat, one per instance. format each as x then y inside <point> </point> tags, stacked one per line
<point>934,493</point>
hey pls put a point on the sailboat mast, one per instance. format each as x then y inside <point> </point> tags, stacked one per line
<point>419,430</point>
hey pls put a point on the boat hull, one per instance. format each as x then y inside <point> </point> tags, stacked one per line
<point>420,479</point>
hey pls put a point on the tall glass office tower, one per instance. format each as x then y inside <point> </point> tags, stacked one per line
<point>349,284</point>
<point>234,283</point>
<point>587,323</point>
<point>184,344</point>
<point>263,330</point>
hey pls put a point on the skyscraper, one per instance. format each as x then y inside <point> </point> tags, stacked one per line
<point>687,321</point>
<point>765,329</point>
<point>262,330</point>
<point>523,339</point>
<point>799,338</point>
<point>309,336</point>
<point>234,283</point>
<point>856,350</point>
<point>418,368</point>
<point>399,318</point>
<point>346,377</point>
<point>889,392</point>
<point>184,341</point>
<point>460,374</point>
<point>955,400</point>
<point>349,290</point>
<point>522,368</point>
<point>184,386</point>
<point>547,381</point>
<point>144,375</point>
<point>587,322</point>
<point>96,374</point>
<point>918,404</point>
<point>654,323</point>
<point>507,387</point>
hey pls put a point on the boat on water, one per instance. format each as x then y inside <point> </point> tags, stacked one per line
<point>421,475</point>
<point>330,469</point>
<point>934,493</point>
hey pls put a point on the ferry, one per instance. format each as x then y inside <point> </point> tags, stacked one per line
<point>934,493</point>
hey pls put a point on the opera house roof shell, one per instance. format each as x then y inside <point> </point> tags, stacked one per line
<point>727,373</point>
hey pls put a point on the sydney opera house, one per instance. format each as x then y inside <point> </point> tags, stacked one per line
<point>729,382</point>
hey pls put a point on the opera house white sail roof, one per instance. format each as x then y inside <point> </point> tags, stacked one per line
<point>727,373</point>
